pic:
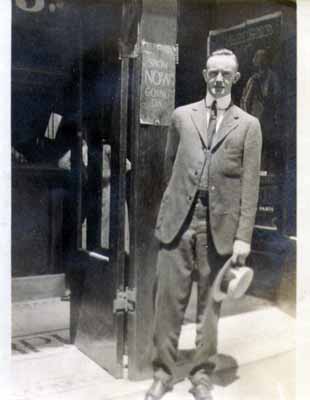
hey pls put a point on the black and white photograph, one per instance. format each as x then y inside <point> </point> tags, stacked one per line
<point>151,245</point>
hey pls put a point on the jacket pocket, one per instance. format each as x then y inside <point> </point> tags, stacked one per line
<point>232,163</point>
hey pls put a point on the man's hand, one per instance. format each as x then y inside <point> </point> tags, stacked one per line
<point>241,250</point>
<point>65,161</point>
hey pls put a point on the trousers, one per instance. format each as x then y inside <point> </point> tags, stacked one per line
<point>191,255</point>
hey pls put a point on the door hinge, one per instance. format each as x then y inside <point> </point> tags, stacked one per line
<point>125,301</point>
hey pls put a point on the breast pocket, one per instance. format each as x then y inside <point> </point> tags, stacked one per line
<point>232,161</point>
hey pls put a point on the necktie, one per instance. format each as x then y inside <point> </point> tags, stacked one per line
<point>212,124</point>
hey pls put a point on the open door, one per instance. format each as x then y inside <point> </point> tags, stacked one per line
<point>100,303</point>
<point>97,267</point>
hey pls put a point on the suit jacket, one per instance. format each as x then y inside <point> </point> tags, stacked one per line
<point>234,167</point>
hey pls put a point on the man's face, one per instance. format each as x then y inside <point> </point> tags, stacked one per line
<point>260,59</point>
<point>221,73</point>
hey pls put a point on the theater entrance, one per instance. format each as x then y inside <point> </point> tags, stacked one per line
<point>93,87</point>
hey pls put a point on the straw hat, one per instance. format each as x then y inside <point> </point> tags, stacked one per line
<point>238,283</point>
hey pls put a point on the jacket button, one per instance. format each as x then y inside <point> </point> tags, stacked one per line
<point>212,188</point>
<point>190,197</point>
<point>196,173</point>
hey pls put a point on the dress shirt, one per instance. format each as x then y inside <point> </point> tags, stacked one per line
<point>221,104</point>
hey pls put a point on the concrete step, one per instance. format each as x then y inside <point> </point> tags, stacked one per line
<point>42,315</point>
<point>32,288</point>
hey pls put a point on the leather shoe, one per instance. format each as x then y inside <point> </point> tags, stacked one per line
<point>201,392</point>
<point>157,390</point>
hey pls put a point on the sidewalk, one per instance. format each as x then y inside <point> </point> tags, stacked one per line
<point>70,375</point>
<point>260,342</point>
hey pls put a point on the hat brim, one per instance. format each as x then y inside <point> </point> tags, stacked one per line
<point>217,293</point>
<point>237,286</point>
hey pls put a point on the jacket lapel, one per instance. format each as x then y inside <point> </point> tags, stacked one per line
<point>228,124</point>
<point>199,118</point>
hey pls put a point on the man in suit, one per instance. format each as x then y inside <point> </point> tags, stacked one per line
<point>206,215</point>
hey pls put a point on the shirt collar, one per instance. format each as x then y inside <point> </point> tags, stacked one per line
<point>222,103</point>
